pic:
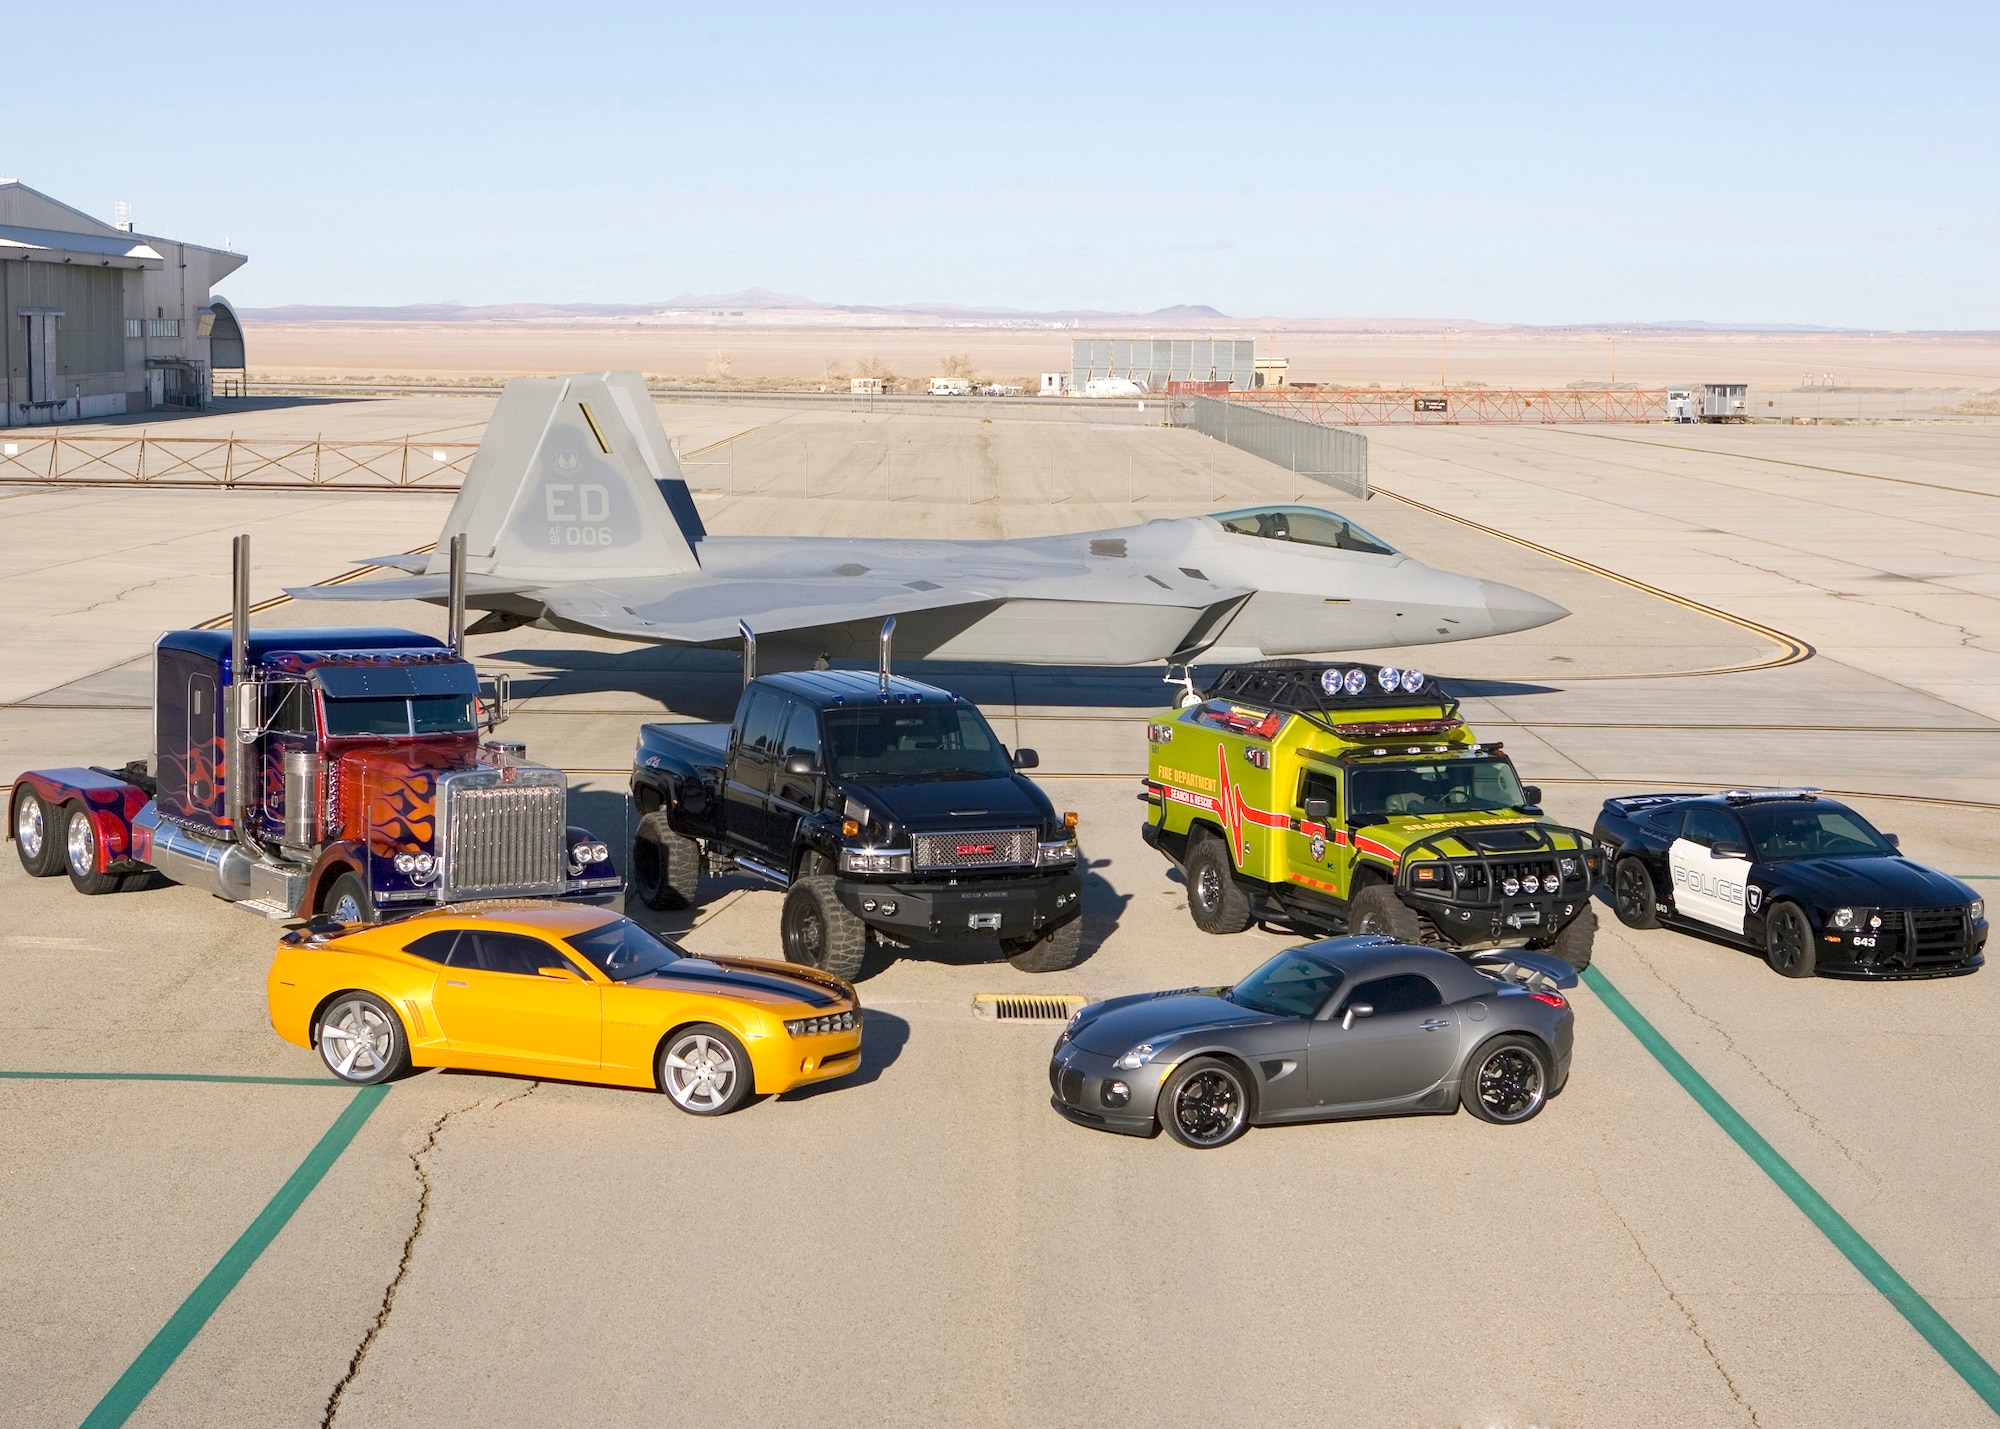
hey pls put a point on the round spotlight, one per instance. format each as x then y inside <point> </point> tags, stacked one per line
<point>1390,678</point>
<point>1354,681</point>
<point>1532,884</point>
<point>1116,1094</point>
<point>1510,886</point>
<point>868,905</point>
<point>600,853</point>
<point>425,863</point>
<point>1413,680</point>
<point>889,907</point>
<point>406,863</point>
<point>1329,680</point>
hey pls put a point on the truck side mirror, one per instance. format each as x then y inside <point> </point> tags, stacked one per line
<point>1318,811</point>
<point>1027,759</point>
<point>493,713</point>
<point>801,764</point>
<point>1532,793</point>
<point>249,697</point>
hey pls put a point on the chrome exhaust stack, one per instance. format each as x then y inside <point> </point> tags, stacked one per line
<point>883,643</point>
<point>241,714</point>
<point>749,651</point>
<point>455,617</point>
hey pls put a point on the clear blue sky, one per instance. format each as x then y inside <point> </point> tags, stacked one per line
<point>1818,164</point>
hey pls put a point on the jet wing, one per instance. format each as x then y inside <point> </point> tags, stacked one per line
<point>700,611</point>
<point>432,588</point>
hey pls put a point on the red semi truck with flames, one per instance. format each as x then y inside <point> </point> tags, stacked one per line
<point>299,772</point>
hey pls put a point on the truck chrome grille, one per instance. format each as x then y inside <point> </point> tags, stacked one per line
<point>982,848</point>
<point>505,838</point>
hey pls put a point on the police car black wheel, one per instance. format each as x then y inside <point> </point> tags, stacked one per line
<point>1632,894</point>
<point>1788,942</point>
<point>1216,902</point>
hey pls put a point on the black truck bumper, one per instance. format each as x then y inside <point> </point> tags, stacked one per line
<point>943,912</point>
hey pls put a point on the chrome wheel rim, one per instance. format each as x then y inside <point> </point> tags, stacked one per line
<point>82,842</point>
<point>356,1040</point>
<point>1208,886</point>
<point>346,909</point>
<point>1511,1085</point>
<point>808,937</point>
<point>700,1072</point>
<point>1208,1107</point>
<point>1632,900</point>
<point>29,830</point>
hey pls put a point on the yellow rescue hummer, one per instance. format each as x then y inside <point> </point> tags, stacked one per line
<point>1350,798</point>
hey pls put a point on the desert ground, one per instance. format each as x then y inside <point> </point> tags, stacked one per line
<point>928,1242</point>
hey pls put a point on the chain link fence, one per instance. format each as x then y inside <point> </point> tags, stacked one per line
<point>1326,454</point>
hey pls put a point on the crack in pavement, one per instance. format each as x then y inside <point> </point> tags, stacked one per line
<point>1729,1042</point>
<point>1687,1315</point>
<point>361,1350</point>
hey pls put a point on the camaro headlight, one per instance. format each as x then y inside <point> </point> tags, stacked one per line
<point>868,860</point>
<point>1976,909</point>
<point>1061,851</point>
<point>1843,917</point>
<point>1138,1057</point>
<point>820,1026</point>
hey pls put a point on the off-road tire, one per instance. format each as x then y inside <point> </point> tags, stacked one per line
<point>819,931</point>
<point>1377,909</point>
<point>79,851</point>
<point>387,1050</point>
<point>1788,942</point>
<point>1205,1071</point>
<point>1054,950</point>
<point>35,820</point>
<point>348,885</point>
<point>1506,1081</point>
<point>1573,943</point>
<point>1215,900</point>
<point>666,868</point>
<point>1633,897</point>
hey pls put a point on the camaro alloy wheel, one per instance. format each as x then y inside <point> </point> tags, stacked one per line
<point>704,1070</point>
<point>1507,1081</point>
<point>360,1039</point>
<point>1205,1104</point>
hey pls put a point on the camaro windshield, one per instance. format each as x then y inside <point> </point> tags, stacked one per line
<point>914,742</point>
<point>1293,984</point>
<point>1380,792</point>
<point>427,714</point>
<point>623,950</point>
<point>1782,833</point>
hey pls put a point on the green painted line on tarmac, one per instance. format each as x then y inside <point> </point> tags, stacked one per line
<point>185,1323</point>
<point>170,1077</point>
<point>1923,1317</point>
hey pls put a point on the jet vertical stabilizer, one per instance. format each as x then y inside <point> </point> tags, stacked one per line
<point>570,484</point>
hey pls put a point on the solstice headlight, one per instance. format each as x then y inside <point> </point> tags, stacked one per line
<point>406,863</point>
<point>1138,1057</point>
<point>1976,909</point>
<point>1413,680</point>
<point>1843,917</point>
<point>868,860</point>
<point>1354,681</point>
<point>1390,678</point>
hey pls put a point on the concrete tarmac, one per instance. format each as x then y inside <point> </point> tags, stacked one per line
<point>927,1242</point>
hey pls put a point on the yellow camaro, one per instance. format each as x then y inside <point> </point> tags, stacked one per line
<point>558,990</point>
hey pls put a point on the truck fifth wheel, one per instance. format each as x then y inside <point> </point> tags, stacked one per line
<point>1353,799</point>
<point>316,771</point>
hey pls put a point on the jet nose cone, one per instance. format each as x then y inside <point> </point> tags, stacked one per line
<point>1512,608</point>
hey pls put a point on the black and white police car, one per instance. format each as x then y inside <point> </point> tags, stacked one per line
<point>1801,878</point>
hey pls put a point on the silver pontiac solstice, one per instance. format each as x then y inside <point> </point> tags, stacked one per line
<point>1348,1027</point>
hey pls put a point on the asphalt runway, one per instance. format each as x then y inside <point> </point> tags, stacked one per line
<point>201,1230</point>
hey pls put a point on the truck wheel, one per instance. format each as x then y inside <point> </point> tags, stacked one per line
<point>819,931</point>
<point>666,868</point>
<point>1057,948</point>
<point>35,836</point>
<point>346,900</point>
<point>1573,943</point>
<point>1632,895</point>
<point>1215,901</point>
<point>1377,909</point>
<point>80,852</point>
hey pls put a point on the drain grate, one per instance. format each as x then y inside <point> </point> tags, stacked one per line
<point>1015,1007</point>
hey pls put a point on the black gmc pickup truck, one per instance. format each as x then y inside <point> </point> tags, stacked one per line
<point>884,807</point>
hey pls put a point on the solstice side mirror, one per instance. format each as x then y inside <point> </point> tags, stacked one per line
<point>1354,1010</point>
<point>1027,759</point>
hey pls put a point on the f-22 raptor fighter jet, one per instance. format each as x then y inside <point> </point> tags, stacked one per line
<point>576,517</point>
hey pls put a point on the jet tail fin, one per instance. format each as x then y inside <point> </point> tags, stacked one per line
<point>574,481</point>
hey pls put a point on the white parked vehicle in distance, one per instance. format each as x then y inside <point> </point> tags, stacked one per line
<point>951,387</point>
<point>1113,387</point>
<point>1055,384</point>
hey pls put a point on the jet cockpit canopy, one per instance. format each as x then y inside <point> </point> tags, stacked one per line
<point>1305,525</point>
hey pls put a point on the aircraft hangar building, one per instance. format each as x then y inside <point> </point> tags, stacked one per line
<point>101,320</point>
<point>1155,362</point>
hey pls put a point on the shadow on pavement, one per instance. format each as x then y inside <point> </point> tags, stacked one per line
<point>883,1035</point>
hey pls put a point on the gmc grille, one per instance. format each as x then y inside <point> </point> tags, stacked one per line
<point>504,839</point>
<point>985,848</point>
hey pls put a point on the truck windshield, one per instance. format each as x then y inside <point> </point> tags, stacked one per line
<point>913,742</point>
<point>1293,984</point>
<point>427,714</point>
<point>1377,793</point>
<point>622,950</point>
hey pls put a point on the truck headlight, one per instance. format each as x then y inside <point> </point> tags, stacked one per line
<point>1568,867</point>
<point>1138,1057</point>
<point>600,853</point>
<point>1061,851</point>
<point>406,863</point>
<point>868,860</point>
<point>1427,873</point>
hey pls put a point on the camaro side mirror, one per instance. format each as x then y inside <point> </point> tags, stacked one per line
<point>1354,1010</point>
<point>1318,811</point>
<point>1027,759</point>
<point>560,974</point>
<point>801,764</point>
<point>1532,793</point>
<point>1725,849</point>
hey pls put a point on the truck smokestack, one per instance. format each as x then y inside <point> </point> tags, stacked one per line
<point>455,620</point>
<point>882,651</point>
<point>749,651</point>
<point>240,713</point>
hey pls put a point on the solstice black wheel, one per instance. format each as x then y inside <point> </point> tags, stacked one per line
<point>1788,942</point>
<point>1632,895</point>
<point>1506,1081</point>
<point>1205,1104</point>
